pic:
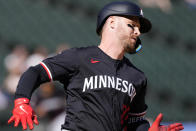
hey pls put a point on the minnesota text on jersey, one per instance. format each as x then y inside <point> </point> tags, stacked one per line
<point>104,81</point>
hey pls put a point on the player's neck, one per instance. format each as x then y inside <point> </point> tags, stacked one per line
<point>112,49</point>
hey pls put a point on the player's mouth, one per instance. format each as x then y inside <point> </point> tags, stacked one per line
<point>134,38</point>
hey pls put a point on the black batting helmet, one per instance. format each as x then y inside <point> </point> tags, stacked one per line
<point>123,8</point>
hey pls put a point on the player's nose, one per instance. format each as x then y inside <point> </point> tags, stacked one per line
<point>137,31</point>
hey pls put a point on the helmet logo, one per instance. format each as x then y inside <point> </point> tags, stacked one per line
<point>141,12</point>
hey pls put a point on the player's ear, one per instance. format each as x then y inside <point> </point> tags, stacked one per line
<point>112,22</point>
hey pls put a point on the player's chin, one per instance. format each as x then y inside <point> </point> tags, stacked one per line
<point>132,44</point>
<point>130,48</point>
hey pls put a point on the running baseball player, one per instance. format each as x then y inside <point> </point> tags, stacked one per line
<point>105,91</point>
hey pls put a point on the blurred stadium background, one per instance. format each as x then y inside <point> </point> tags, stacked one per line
<point>168,57</point>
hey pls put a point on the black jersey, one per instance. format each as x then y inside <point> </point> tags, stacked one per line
<point>101,91</point>
<point>103,94</point>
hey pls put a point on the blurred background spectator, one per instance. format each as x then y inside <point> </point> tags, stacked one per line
<point>3,101</point>
<point>39,54</point>
<point>164,5</point>
<point>191,3</point>
<point>15,66</point>
<point>49,103</point>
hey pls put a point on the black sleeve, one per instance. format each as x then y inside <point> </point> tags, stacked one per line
<point>60,67</point>
<point>138,107</point>
<point>30,80</point>
<point>143,125</point>
<point>63,66</point>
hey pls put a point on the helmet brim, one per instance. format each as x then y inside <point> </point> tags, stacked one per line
<point>145,25</point>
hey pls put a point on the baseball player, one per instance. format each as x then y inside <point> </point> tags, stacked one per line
<point>105,91</point>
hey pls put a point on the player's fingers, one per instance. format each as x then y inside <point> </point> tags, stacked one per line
<point>176,129</point>
<point>17,120</point>
<point>11,119</point>
<point>35,120</point>
<point>24,123</point>
<point>179,128</point>
<point>173,126</point>
<point>30,123</point>
<point>158,120</point>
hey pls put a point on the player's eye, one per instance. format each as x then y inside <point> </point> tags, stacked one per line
<point>131,26</point>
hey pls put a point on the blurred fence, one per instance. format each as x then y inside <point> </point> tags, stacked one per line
<point>168,57</point>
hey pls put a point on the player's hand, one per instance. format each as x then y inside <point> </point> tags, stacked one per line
<point>172,127</point>
<point>23,113</point>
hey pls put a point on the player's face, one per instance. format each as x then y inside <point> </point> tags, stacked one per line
<point>128,32</point>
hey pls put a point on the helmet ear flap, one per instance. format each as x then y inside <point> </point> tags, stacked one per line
<point>138,46</point>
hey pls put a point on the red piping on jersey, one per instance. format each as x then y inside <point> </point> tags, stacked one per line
<point>47,70</point>
<point>124,115</point>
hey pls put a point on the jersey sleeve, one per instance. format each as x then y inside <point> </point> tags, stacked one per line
<point>138,107</point>
<point>62,66</point>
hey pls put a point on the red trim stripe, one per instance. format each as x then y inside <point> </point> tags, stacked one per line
<point>47,70</point>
